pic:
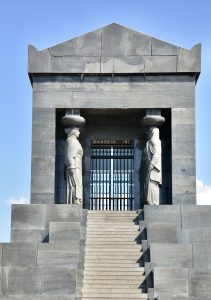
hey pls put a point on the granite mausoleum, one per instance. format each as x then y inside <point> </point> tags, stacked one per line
<point>113,211</point>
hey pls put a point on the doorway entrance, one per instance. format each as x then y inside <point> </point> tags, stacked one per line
<point>112,175</point>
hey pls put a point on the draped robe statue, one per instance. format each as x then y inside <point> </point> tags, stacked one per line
<point>151,172</point>
<point>73,162</point>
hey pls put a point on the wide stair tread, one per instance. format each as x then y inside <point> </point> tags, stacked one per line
<point>112,254</point>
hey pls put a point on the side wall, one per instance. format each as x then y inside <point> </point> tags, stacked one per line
<point>175,92</point>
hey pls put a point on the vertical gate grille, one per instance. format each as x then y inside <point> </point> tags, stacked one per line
<point>112,172</point>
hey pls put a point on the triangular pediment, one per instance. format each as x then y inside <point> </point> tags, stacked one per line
<point>114,49</point>
<point>112,41</point>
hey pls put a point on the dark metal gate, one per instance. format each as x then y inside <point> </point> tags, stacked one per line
<point>112,175</point>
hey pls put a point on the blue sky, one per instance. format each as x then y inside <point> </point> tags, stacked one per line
<point>46,23</point>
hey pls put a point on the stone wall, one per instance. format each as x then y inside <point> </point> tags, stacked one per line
<point>51,93</point>
<point>178,251</point>
<point>45,258</point>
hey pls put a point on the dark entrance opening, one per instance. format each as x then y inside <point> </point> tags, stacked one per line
<point>112,175</point>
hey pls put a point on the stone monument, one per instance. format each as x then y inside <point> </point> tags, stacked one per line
<point>93,190</point>
<point>73,158</point>
<point>151,166</point>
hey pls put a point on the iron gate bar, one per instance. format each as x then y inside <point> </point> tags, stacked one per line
<point>112,184</point>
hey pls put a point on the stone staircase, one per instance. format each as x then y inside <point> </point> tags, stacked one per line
<point>112,268</point>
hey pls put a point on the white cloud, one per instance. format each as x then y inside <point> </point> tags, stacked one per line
<point>203,193</point>
<point>15,200</point>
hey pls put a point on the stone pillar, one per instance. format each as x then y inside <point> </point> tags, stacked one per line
<point>151,164</point>
<point>72,121</point>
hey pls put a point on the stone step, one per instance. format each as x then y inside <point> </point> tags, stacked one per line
<point>109,225</point>
<point>122,226</point>
<point>112,269</point>
<point>112,259</point>
<point>117,273</point>
<point>113,238</point>
<point>112,263</point>
<point>114,255</point>
<point>104,297</point>
<point>111,221</point>
<point>133,280</point>
<point>113,216</point>
<point>112,230</point>
<point>110,246</point>
<point>115,278</point>
<point>113,290</point>
<point>121,295</point>
<point>108,298</point>
<point>131,235</point>
<point>111,212</point>
<point>107,286</point>
<point>114,251</point>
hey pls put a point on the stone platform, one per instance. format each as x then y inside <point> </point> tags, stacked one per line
<point>45,259</point>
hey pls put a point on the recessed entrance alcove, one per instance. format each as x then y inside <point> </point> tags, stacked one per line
<point>113,142</point>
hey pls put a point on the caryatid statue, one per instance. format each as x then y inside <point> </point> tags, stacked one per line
<point>151,165</point>
<point>73,157</point>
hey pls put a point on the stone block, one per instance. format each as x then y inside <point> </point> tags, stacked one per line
<point>25,216</point>
<point>183,185</point>
<point>52,100</point>
<point>131,64</point>
<point>29,235</point>
<point>42,198</point>
<point>65,232</point>
<point>183,115</point>
<point>162,48</point>
<point>145,99</point>
<point>42,149</point>
<point>196,235</point>
<point>63,213</point>
<point>183,149</point>
<point>0,256</point>
<point>183,133</point>
<point>43,166</point>
<point>201,254</point>
<point>43,132</point>
<point>107,65</point>
<point>189,60</point>
<point>196,216</point>
<point>42,183</point>
<point>187,198</point>
<point>62,255</point>
<point>58,280</point>
<point>199,283</point>
<point>172,282</point>
<point>38,61</point>
<point>86,45</point>
<point>157,214</point>
<point>21,280</point>
<point>183,166</point>
<point>19,254</point>
<point>121,41</point>
<point>73,64</point>
<point>161,94</point>
<point>171,255</point>
<point>160,64</point>
<point>84,217</point>
<point>43,116</point>
<point>163,233</point>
